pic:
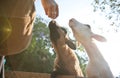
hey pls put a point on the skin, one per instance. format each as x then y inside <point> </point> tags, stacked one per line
<point>51,8</point>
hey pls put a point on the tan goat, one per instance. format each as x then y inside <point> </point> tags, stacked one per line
<point>66,61</point>
<point>97,66</point>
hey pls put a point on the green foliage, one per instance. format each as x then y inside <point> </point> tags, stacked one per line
<point>83,58</point>
<point>107,5</point>
<point>111,9</point>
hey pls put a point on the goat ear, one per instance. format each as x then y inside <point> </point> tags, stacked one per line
<point>71,44</point>
<point>99,38</point>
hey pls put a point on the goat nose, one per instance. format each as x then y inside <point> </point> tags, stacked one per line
<point>53,21</point>
<point>70,20</point>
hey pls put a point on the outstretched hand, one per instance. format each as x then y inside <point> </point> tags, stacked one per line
<point>50,8</point>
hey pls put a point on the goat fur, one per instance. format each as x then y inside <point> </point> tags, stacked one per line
<point>66,61</point>
<point>97,66</point>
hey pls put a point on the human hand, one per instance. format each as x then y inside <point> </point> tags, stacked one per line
<point>50,8</point>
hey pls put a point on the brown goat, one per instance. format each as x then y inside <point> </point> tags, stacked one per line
<point>66,61</point>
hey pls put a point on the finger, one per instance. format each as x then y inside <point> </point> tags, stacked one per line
<point>54,13</point>
<point>50,12</point>
<point>46,11</point>
<point>57,11</point>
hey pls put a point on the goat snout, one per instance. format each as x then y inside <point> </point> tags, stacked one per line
<point>73,22</point>
<point>53,26</point>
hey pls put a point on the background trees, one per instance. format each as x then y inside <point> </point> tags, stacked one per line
<point>111,10</point>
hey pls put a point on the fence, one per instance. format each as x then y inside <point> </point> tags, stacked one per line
<point>21,74</point>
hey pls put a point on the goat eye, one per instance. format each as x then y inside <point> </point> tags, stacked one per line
<point>88,26</point>
<point>64,30</point>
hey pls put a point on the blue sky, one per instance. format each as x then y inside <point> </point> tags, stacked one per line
<point>83,12</point>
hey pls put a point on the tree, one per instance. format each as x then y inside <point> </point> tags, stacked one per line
<point>111,9</point>
<point>83,58</point>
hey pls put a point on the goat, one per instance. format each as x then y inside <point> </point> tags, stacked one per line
<point>66,61</point>
<point>97,66</point>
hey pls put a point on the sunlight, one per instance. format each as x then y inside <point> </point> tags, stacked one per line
<point>100,25</point>
<point>110,51</point>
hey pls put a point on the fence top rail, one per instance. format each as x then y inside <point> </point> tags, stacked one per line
<point>21,74</point>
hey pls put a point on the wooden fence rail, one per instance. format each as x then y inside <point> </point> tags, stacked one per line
<point>21,74</point>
